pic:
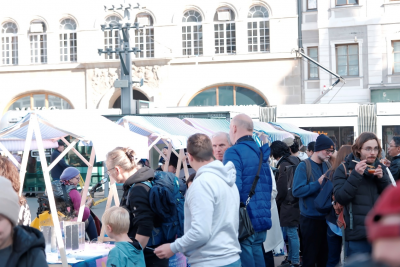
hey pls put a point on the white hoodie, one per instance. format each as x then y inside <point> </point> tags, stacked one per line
<point>211,217</point>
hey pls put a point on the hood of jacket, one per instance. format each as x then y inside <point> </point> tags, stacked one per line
<point>25,239</point>
<point>225,172</point>
<point>131,253</point>
<point>143,174</point>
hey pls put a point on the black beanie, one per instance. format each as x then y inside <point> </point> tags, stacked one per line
<point>323,142</point>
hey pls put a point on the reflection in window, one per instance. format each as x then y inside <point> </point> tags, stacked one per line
<point>111,37</point>
<point>227,95</point>
<point>396,56</point>
<point>144,38</point>
<point>225,31</point>
<point>39,102</point>
<point>339,135</point>
<point>68,41</point>
<point>9,43</point>
<point>312,68</point>
<point>192,33</point>
<point>258,29</point>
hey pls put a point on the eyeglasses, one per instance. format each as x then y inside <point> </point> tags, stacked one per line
<point>328,151</point>
<point>370,149</point>
<point>108,172</point>
<point>389,145</point>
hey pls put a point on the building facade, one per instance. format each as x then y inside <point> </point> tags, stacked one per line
<point>198,53</point>
<point>357,39</point>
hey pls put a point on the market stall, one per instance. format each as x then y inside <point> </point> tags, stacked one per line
<point>305,136</point>
<point>103,134</point>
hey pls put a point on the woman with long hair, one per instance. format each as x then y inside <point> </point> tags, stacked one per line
<point>334,234</point>
<point>9,171</point>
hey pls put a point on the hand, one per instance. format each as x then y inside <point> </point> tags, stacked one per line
<point>89,202</point>
<point>321,179</point>
<point>386,162</point>
<point>361,166</point>
<point>164,251</point>
<point>379,172</point>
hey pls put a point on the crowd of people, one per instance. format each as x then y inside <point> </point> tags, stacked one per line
<point>324,202</point>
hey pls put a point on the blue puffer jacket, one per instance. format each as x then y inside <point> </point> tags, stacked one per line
<point>245,155</point>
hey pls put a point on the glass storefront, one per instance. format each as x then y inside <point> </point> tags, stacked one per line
<point>39,102</point>
<point>339,135</point>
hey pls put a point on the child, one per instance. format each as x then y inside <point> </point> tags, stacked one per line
<point>126,252</point>
<point>19,245</point>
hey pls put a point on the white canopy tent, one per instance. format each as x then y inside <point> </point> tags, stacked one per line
<point>81,125</point>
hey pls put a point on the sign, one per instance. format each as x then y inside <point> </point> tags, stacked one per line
<point>35,153</point>
<point>120,83</point>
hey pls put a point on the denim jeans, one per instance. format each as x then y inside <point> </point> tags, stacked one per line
<point>334,248</point>
<point>234,264</point>
<point>91,229</point>
<point>294,244</point>
<point>355,247</point>
<point>252,251</point>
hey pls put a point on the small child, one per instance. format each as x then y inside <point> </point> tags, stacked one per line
<point>126,252</point>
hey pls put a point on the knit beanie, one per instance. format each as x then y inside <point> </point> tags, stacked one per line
<point>387,204</point>
<point>69,173</point>
<point>323,142</point>
<point>288,141</point>
<point>9,200</point>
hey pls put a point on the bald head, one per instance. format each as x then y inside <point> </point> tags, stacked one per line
<point>241,125</point>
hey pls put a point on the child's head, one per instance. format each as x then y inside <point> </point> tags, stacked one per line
<point>9,211</point>
<point>116,221</point>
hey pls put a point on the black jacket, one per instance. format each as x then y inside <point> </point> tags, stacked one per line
<point>60,166</point>
<point>142,218</point>
<point>289,213</point>
<point>27,248</point>
<point>395,168</point>
<point>357,193</point>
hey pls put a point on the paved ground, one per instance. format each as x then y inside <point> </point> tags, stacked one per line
<point>99,210</point>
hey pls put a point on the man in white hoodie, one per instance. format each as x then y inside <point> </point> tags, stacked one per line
<point>211,211</point>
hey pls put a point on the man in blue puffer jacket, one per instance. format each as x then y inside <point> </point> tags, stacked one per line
<point>245,155</point>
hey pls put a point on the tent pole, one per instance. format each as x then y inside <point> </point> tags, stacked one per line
<point>9,155</point>
<point>155,142</point>
<point>49,188</point>
<point>159,151</point>
<point>113,191</point>
<point>76,152</point>
<point>173,150</point>
<point>87,183</point>
<point>168,157</point>
<point>70,146</point>
<point>25,157</point>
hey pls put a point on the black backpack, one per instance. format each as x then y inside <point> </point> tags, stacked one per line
<point>290,170</point>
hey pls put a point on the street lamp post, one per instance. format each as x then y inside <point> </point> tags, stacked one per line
<point>125,57</point>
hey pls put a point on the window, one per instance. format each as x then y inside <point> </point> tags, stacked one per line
<point>38,42</point>
<point>312,68</point>
<point>224,31</point>
<point>144,38</point>
<point>111,37</point>
<point>347,59</point>
<point>39,101</point>
<point>346,2</point>
<point>192,34</point>
<point>227,95</point>
<point>396,56</point>
<point>136,95</point>
<point>311,4</point>
<point>68,44</point>
<point>258,29</point>
<point>9,43</point>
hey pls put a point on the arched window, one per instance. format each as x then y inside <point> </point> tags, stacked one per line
<point>39,101</point>
<point>111,37</point>
<point>137,95</point>
<point>68,44</point>
<point>224,31</point>
<point>192,33</point>
<point>9,41</point>
<point>144,38</point>
<point>258,29</point>
<point>38,42</point>
<point>227,95</point>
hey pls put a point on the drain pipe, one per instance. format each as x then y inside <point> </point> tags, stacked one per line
<point>300,46</point>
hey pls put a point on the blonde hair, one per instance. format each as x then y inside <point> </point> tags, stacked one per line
<point>123,157</point>
<point>118,219</point>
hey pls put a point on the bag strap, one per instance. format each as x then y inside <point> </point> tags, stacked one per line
<point>308,169</point>
<point>253,187</point>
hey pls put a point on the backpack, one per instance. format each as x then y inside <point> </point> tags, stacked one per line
<point>290,170</point>
<point>326,191</point>
<point>167,202</point>
<point>61,196</point>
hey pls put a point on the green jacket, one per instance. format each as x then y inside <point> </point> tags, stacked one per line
<point>125,254</point>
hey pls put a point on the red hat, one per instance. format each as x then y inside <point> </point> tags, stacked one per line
<point>387,204</point>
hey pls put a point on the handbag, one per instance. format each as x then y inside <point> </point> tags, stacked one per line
<point>323,201</point>
<point>245,226</point>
